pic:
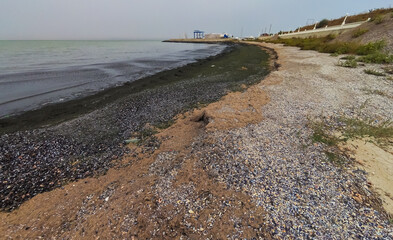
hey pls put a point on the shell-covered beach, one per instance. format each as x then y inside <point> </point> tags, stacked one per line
<point>244,167</point>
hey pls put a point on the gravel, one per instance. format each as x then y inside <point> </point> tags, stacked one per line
<point>276,163</point>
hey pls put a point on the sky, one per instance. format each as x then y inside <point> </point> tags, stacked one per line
<point>164,19</point>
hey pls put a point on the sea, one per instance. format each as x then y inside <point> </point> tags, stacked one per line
<point>36,73</point>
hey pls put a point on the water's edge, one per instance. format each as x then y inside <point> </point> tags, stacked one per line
<point>57,112</point>
<point>56,150</point>
<point>54,77</point>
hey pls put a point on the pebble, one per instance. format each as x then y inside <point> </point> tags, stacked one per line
<point>275,162</point>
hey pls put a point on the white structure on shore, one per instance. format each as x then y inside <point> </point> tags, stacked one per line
<point>216,35</point>
<point>322,32</point>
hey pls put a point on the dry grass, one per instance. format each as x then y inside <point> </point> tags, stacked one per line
<point>359,32</point>
<point>355,18</point>
<point>373,72</point>
<point>326,46</point>
<point>369,53</point>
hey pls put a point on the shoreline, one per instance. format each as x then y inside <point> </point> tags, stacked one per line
<point>55,113</point>
<point>54,78</point>
<point>205,41</point>
<point>242,167</point>
<point>90,144</point>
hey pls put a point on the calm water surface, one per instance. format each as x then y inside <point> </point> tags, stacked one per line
<point>35,73</point>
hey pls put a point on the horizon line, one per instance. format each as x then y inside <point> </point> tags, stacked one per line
<point>98,39</point>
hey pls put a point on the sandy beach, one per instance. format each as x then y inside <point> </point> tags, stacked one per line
<point>244,167</point>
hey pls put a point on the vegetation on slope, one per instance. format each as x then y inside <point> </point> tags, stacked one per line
<point>369,53</point>
<point>374,15</point>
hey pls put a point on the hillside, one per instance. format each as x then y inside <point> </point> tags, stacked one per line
<point>380,29</point>
<point>354,18</point>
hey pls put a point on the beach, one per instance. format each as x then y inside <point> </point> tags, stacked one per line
<point>46,148</point>
<point>243,167</point>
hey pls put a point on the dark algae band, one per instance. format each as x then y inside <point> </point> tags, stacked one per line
<point>44,149</point>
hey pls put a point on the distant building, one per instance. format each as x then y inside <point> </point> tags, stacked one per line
<point>216,35</point>
<point>199,34</point>
<point>250,38</point>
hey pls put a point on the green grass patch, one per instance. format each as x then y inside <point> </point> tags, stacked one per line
<point>377,57</point>
<point>380,132</point>
<point>373,72</point>
<point>349,63</point>
<point>321,134</point>
<point>334,158</point>
<point>349,57</point>
<point>359,32</point>
<point>370,48</point>
<point>355,128</point>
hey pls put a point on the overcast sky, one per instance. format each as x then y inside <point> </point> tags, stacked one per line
<point>162,19</point>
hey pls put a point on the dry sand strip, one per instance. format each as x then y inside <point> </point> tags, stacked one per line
<point>243,167</point>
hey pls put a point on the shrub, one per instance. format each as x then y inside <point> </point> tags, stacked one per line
<point>322,23</point>
<point>373,72</point>
<point>331,36</point>
<point>388,69</point>
<point>359,32</point>
<point>339,48</point>
<point>371,52</point>
<point>350,63</point>
<point>376,57</point>
<point>349,57</point>
<point>370,48</point>
<point>378,19</point>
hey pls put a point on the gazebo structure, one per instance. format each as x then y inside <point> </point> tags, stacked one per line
<point>199,34</point>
